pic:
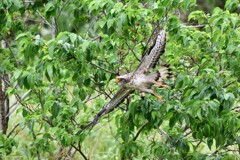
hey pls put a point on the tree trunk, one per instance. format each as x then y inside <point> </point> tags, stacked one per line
<point>4,105</point>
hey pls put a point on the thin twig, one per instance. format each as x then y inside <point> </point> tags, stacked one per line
<point>54,27</point>
<point>226,85</point>
<point>73,153</point>
<point>13,129</point>
<point>19,100</point>
<point>19,131</point>
<point>198,144</point>
<point>60,152</point>
<point>135,55</point>
<point>69,152</point>
<point>37,149</point>
<point>44,19</point>
<point>65,3</point>
<point>102,68</point>
<point>89,99</point>
<point>10,49</point>
<point>139,130</point>
<point>194,26</point>
<point>163,132</point>
<point>80,151</point>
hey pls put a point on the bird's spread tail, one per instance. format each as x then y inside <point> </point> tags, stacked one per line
<point>163,73</point>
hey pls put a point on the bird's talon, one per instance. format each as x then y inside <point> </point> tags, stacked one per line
<point>161,85</point>
<point>160,98</point>
<point>165,86</point>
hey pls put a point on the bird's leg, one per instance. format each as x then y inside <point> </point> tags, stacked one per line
<point>153,93</point>
<point>160,85</point>
<point>142,94</point>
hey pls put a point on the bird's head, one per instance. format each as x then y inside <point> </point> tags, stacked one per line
<point>121,80</point>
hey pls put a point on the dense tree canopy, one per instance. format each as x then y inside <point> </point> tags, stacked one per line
<point>58,59</point>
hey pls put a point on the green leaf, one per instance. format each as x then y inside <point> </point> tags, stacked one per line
<point>25,83</point>
<point>31,80</point>
<point>51,47</point>
<point>25,34</point>
<point>232,5</point>
<point>62,37</point>
<point>188,4</point>
<point>25,112</point>
<point>17,73</point>
<point>117,7</point>
<point>3,18</point>
<point>55,109</point>
<point>110,23</point>
<point>101,23</point>
<point>172,121</point>
<point>48,105</point>
<point>161,11</point>
<point>219,140</point>
<point>209,143</point>
<point>85,45</point>
<point>206,130</point>
<point>49,71</point>
<point>196,15</point>
<point>72,37</point>
<point>229,96</point>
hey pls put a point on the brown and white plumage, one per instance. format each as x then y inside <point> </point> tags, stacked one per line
<point>140,79</point>
<point>144,81</point>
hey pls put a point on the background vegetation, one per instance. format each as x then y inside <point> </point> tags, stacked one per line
<point>58,59</point>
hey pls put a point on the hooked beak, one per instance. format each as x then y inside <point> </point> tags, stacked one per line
<point>117,80</point>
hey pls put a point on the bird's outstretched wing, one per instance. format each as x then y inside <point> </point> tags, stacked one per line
<point>118,98</point>
<point>114,102</point>
<point>150,60</point>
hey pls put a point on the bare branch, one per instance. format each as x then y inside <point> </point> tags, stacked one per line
<point>80,151</point>
<point>54,27</point>
<point>3,120</point>
<point>194,26</point>
<point>19,100</point>
<point>139,130</point>
<point>89,99</point>
<point>13,129</point>
<point>163,133</point>
<point>44,19</point>
<point>135,55</point>
<point>60,152</point>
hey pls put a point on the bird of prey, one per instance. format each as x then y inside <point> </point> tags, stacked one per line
<point>141,79</point>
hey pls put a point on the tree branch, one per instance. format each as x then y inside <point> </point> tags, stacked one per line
<point>54,27</point>
<point>80,151</point>
<point>135,55</point>
<point>10,49</point>
<point>102,68</point>
<point>163,132</point>
<point>44,19</point>
<point>13,129</point>
<point>139,130</point>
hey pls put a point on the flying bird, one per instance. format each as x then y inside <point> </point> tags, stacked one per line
<point>144,81</point>
<point>141,79</point>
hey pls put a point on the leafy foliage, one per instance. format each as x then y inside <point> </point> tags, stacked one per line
<point>60,81</point>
